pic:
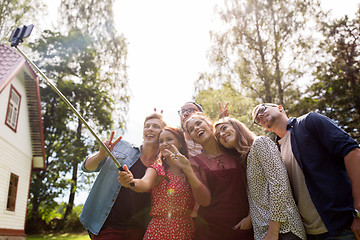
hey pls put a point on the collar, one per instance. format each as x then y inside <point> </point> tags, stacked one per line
<point>290,125</point>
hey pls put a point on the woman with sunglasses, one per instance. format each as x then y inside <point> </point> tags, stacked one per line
<point>273,211</point>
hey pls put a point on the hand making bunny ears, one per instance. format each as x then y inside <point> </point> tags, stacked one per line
<point>223,112</point>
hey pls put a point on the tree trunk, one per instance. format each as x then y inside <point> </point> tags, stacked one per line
<point>73,185</point>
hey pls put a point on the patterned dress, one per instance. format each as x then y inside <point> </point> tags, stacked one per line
<point>173,203</point>
<point>270,196</point>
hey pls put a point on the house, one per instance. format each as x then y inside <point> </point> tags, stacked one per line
<point>21,139</point>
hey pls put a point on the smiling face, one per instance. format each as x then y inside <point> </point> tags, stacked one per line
<point>199,130</point>
<point>166,139</point>
<point>268,117</point>
<point>226,135</point>
<point>152,128</point>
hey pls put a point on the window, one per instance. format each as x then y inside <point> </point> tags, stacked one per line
<point>14,180</point>
<point>13,109</point>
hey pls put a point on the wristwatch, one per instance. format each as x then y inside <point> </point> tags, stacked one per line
<point>356,213</point>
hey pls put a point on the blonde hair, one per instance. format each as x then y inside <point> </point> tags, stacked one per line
<point>158,116</point>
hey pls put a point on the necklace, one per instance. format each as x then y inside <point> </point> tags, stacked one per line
<point>218,160</point>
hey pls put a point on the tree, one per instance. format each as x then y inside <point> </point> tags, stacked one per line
<point>336,90</point>
<point>96,19</point>
<point>70,62</point>
<point>262,46</point>
<point>14,13</point>
<point>240,107</point>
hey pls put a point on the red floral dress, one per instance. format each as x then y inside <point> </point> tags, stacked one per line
<point>173,203</point>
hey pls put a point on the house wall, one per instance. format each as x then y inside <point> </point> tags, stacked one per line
<point>22,137</point>
<point>15,157</point>
<point>13,161</point>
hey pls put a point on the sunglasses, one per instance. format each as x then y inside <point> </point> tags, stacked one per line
<point>189,111</point>
<point>260,112</point>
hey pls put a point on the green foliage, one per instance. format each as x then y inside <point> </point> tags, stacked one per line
<point>336,91</point>
<point>96,19</point>
<point>71,62</point>
<point>15,13</point>
<point>62,236</point>
<point>262,48</point>
<point>52,219</point>
<point>240,107</point>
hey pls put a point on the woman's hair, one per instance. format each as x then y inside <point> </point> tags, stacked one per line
<point>179,135</point>
<point>244,137</point>
<point>156,115</point>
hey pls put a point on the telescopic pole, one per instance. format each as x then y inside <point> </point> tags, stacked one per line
<point>17,37</point>
<point>73,109</point>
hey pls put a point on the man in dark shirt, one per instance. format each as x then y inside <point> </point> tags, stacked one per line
<point>110,211</point>
<point>323,164</point>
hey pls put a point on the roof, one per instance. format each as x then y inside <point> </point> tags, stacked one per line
<point>11,64</point>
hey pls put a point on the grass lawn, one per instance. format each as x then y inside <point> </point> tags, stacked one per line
<point>60,236</point>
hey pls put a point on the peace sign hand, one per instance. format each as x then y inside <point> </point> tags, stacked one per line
<point>109,144</point>
<point>179,160</point>
<point>223,112</point>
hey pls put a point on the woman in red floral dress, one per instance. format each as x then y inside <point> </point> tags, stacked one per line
<point>172,196</point>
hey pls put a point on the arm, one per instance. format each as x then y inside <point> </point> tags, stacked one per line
<point>276,176</point>
<point>145,184</point>
<point>244,224</point>
<point>273,232</point>
<point>352,163</point>
<point>94,160</point>
<point>200,190</point>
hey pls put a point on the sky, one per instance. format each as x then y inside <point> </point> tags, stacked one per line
<point>168,42</point>
<point>167,45</point>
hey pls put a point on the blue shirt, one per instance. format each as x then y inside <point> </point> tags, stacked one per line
<point>319,147</point>
<point>106,186</point>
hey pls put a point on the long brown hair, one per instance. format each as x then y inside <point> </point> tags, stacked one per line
<point>179,135</point>
<point>244,137</point>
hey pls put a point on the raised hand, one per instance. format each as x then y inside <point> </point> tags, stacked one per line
<point>178,159</point>
<point>125,177</point>
<point>109,144</point>
<point>223,112</point>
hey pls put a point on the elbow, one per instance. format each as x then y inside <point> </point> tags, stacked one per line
<point>205,204</point>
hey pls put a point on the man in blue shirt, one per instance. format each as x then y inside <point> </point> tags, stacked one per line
<point>113,212</point>
<point>323,163</point>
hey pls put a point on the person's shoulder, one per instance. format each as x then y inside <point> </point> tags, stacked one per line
<point>194,160</point>
<point>159,168</point>
<point>261,140</point>
<point>125,144</point>
<point>312,116</point>
<point>313,119</point>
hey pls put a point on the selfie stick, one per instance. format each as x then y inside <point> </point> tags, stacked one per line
<point>17,37</point>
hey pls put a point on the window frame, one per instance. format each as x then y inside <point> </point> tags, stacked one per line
<point>12,192</point>
<point>10,108</point>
